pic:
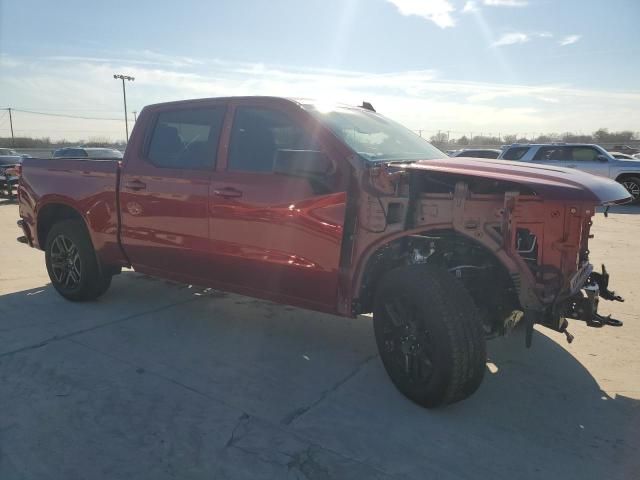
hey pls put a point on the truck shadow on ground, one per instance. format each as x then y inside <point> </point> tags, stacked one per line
<point>273,361</point>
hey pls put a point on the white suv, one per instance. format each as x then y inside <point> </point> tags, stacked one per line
<point>588,158</point>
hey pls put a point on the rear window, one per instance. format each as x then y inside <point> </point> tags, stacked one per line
<point>70,153</point>
<point>104,153</point>
<point>186,138</point>
<point>515,153</point>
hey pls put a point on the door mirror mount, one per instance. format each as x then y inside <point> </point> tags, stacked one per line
<point>602,158</point>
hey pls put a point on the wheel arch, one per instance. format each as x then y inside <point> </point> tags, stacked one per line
<point>53,212</point>
<point>373,266</point>
<point>621,176</point>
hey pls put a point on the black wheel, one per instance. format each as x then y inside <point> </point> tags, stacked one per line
<point>72,264</point>
<point>632,184</point>
<point>429,335</point>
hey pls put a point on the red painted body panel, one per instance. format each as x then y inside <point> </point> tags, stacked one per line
<point>553,183</point>
<point>87,186</point>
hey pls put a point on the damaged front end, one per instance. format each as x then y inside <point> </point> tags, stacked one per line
<point>516,235</point>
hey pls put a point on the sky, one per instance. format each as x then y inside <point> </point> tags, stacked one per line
<point>464,66</point>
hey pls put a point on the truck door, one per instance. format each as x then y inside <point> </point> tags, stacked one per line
<point>164,190</point>
<point>276,232</point>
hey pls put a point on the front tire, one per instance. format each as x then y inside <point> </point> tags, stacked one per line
<point>429,335</point>
<point>72,264</point>
<point>632,184</point>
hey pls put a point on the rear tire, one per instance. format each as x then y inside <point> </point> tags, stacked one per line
<point>632,184</point>
<point>429,335</point>
<point>72,264</point>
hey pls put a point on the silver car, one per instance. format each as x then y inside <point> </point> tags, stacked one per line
<point>586,157</point>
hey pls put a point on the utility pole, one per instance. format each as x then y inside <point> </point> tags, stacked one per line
<point>135,118</point>
<point>124,95</point>
<point>11,124</point>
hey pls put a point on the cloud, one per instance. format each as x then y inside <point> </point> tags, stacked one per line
<point>511,39</point>
<point>436,11</point>
<point>420,99</point>
<point>470,6</point>
<point>506,3</point>
<point>570,40</point>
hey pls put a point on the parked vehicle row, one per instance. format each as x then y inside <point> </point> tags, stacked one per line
<point>87,152</point>
<point>586,157</point>
<point>9,160</point>
<point>621,167</point>
<point>338,210</point>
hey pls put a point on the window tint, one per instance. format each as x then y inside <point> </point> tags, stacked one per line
<point>258,134</point>
<point>480,154</point>
<point>104,153</point>
<point>71,153</point>
<point>515,153</point>
<point>186,138</point>
<point>584,154</point>
<point>551,154</point>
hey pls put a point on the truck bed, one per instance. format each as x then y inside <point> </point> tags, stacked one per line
<point>87,186</point>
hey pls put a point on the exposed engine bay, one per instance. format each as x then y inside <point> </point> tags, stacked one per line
<point>522,255</point>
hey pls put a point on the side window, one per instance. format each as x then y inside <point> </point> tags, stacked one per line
<point>259,134</point>
<point>186,138</point>
<point>550,154</point>
<point>584,154</point>
<point>515,153</point>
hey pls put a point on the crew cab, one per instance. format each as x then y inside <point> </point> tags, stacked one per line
<point>586,157</point>
<point>333,208</point>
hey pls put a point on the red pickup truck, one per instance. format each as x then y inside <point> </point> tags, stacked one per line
<point>331,208</point>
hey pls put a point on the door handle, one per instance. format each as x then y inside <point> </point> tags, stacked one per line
<point>135,185</point>
<point>571,166</point>
<point>228,193</point>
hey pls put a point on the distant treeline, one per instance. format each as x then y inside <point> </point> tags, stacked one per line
<point>600,136</point>
<point>442,139</point>
<point>46,142</point>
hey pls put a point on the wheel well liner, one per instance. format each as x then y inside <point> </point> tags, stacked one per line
<point>622,176</point>
<point>388,256</point>
<point>51,214</point>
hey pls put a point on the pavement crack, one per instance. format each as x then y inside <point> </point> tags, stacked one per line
<point>242,422</point>
<point>66,336</point>
<point>306,464</point>
<point>297,413</point>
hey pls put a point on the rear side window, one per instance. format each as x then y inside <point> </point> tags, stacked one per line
<point>258,134</point>
<point>551,154</point>
<point>515,153</point>
<point>584,154</point>
<point>71,153</point>
<point>186,138</point>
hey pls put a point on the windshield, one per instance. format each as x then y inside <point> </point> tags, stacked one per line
<point>7,151</point>
<point>374,137</point>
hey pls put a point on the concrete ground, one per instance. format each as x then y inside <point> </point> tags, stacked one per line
<point>157,381</point>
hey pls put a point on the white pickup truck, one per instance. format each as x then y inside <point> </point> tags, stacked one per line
<point>588,158</point>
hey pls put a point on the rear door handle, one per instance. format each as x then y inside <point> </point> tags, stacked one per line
<point>135,185</point>
<point>227,193</point>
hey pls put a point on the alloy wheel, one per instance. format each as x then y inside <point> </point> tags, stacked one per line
<point>407,341</point>
<point>65,262</point>
<point>633,188</point>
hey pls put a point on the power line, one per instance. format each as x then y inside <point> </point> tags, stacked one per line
<point>62,115</point>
